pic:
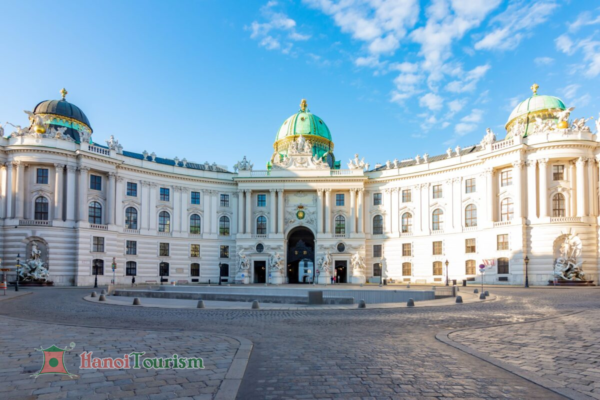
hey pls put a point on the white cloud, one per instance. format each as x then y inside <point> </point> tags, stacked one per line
<point>514,24</point>
<point>584,19</point>
<point>475,116</point>
<point>469,82</point>
<point>541,61</point>
<point>456,105</point>
<point>590,49</point>
<point>462,128</point>
<point>277,29</point>
<point>431,101</point>
<point>569,92</point>
<point>565,44</point>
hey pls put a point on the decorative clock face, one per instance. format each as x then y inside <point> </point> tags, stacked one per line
<point>300,214</point>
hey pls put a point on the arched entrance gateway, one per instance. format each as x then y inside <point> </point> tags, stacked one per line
<point>300,256</point>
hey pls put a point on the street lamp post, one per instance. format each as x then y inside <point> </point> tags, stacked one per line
<point>447,282</point>
<point>95,276</point>
<point>220,266</point>
<point>18,272</point>
<point>526,271</point>
<point>114,268</point>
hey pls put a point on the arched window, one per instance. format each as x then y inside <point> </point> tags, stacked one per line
<point>506,209</point>
<point>224,226</point>
<point>41,209</point>
<point>437,221</point>
<point>340,225</point>
<point>378,225</point>
<point>406,223</point>
<point>95,213</point>
<point>195,269</point>
<point>164,222</point>
<point>406,269</point>
<point>131,218</point>
<point>131,268</point>
<point>503,265</point>
<point>437,268</point>
<point>558,205</point>
<point>471,215</point>
<point>195,223</point>
<point>261,225</point>
<point>98,267</point>
<point>470,267</point>
<point>163,269</point>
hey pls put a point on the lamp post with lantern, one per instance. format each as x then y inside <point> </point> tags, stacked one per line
<point>447,281</point>
<point>526,271</point>
<point>18,266</point>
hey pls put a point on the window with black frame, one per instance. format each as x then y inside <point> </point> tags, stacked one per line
<point>95,213</point>
<point>195,223</point>
<point>163,269</point>
<point>98,267</point>
<point>131,268</point>
<point>131,218</point>
<point>41,209</point>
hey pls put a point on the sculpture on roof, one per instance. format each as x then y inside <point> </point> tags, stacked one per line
<point>357,163</point>
<point>488,139</point>
<point>114,144</point>
<point>243,165</point>
<point>579,124</point>
<point>563,116</point>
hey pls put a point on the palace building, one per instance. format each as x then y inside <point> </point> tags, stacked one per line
<point>309,215</point>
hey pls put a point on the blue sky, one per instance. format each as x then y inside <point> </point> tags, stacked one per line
<point>213,80</point>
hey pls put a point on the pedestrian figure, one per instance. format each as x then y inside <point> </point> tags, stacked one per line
<point>332,279</point>
<point>132,281</point>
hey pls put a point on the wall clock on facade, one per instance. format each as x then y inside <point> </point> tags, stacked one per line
<point>300,214</point>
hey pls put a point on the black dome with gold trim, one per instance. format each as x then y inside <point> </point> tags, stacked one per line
<point>62,113</point>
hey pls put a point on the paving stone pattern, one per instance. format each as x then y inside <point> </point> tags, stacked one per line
<point>565,350</point>
<point>351,354</point>
<point>19,360</point>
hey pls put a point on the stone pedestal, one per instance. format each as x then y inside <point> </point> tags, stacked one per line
<point>358,280</point>
<point>242,278</point>
<point>324,279</point>
<point>276,278</point>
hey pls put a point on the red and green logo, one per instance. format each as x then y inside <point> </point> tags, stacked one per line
<point>54,361</point>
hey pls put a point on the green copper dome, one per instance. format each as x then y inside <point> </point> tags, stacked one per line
<point>537,103</point>
<point>303,123</point>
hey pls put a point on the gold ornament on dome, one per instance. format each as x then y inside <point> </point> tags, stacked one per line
<point>303,105</point>
<point>63,93</point>
<point>534,88</point>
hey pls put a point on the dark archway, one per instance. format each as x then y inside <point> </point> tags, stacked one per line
<point>301,256</point>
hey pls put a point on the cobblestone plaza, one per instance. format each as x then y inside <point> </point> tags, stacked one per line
<point>540,343</point>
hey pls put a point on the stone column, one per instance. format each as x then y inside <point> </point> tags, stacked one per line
<point>240,212</point>
<point>491,200</point>
<point>58,191</point>
<point>581,195</point>
<point>9,190</point>
<point>273,217</point>
<point>110,199</point>
<point>152,214</point>
<point>145,223</point>
<point>119,204</point>
<point>389,209</point>
<point>328,211</point>
<point>591,187</point>
<point>531,190</point>
<point>280,211</point>
<point>361,211</point>
<point>352,211</point>
<point>518,187</point>
<point>543,185</point>
<point>427,208</point>
<point>248,211</point>
<point>320,211</point>
<point>82,190</point>
<point>450,201</point>
<point>71,192</point>
<point>176,217</point>
<point>3,190</point>
<point>215,217</point>
<point>418,217</point>
<point>184,224</point>
<point>20,192</point>
<point>207,212</point>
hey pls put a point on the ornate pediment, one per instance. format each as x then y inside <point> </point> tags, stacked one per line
<point>299,156</point>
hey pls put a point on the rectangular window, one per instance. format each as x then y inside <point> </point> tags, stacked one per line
<point>95,182</point>
<point>132,189</point>
<point>437,248</point>
<point>506,178</point>
<point>406,269</point>
<point>377,269</point>
<point>558,172</point>
<point>406,196</point>
<point>470,185</point>
<point>163,269</point>
<point>437,191</point>
<point>339,199</point>
<point>131,247</point>
<point>377,199</point>
<point>98,244</point>
<point>42,176</point>
<point>195,250</point>
<point>376,250</point>
<point>224,200</point>
<point>195,197</point>
<point>165,194</point>
<point>261,200</point>
<point>195,270</point>
<point>406,249</point>
<point>470,267</point>
<point>437,268</point>
<point>503,265</point>
<point>470,246</point>
<point>163,250</point>
<point>502,242</point>
<point>131,268</point>
<point>224,253</point>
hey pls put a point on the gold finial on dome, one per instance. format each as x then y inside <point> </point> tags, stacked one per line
<point>303,105</point>
<point>534,88</point>
<point>64,93</point>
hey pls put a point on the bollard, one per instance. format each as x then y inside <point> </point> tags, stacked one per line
<point>362,304</point>
<point>464,283</point>
<point>103,291</point>
<point>408,286</point>
<point>410,303</point>
<point>482,296</point>
<point>136,302</point>
<point>486,293</point>
<point>93,294</point>
<point>200,304</point>
<point>102,298</point>
<point>476,291</point>
<point>458,299</point>
<point>255,305</point>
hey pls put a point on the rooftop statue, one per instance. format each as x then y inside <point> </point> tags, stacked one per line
<point>243,165</point>
<point>564,115</point>
<point>357,163</point>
